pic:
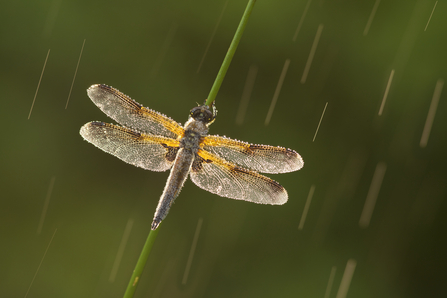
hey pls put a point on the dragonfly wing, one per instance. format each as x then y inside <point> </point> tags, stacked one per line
<point>145,151</point>
<point>130,113</point>
<point>259,158</point>
<point>225,179</point>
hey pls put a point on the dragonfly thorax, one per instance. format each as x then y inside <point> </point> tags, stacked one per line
<point>194,131</point>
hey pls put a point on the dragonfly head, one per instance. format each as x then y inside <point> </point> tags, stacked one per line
<point>204,114</point>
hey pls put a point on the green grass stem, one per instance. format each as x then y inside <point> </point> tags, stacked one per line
<point>135,279</point>
<point>230,53</point>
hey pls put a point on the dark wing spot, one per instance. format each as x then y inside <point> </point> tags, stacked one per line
<point>172,152</point>
<point>197,163</point>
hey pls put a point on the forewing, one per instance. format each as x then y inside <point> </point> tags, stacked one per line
<point>149,152</point>
<point>225,179</point>
<point>130,113</point>
<point>259,158</point>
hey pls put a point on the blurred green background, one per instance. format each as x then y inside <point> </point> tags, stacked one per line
<point>151,50</point>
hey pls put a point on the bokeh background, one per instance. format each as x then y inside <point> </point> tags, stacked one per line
<point>151,50</point>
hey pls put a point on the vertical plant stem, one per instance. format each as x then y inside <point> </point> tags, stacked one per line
<point>135,279</point>
<point>230,53</point>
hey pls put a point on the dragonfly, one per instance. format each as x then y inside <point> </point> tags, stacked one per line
<point>220,165</point>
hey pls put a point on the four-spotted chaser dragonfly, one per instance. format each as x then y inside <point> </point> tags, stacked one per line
<point>152,141</point>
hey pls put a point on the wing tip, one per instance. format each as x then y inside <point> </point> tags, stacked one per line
<point>279,202</point>
<point>86,129</point>
<point>281,199</point>
<point>94,89</point>
<point>299,162</point>
<point>99,86</point>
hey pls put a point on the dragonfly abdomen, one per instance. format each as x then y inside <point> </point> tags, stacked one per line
<point>177,177</point>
